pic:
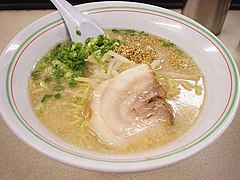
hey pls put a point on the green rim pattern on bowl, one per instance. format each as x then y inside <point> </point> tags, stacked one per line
<point>191,24</point>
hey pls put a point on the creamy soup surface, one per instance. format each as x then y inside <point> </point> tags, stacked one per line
<point>60,99</point>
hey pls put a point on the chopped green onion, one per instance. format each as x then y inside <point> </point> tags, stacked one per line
<point>36,75</point>
<point>67,61</point>
<point>47,79</point>
<point>46,97</point>
<point>57,96</point>
<point>124,31</point>
<point>166,43</point>
<point>78,32</point>
<point>72,84</point>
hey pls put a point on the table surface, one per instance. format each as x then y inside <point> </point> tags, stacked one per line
<point>221,160</point>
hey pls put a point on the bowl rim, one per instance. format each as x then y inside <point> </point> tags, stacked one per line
<point>149,9</point>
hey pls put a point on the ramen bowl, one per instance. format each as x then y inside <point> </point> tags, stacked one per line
<point>217,65</point>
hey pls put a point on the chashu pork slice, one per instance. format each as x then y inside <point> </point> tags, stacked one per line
<point>128,105</point>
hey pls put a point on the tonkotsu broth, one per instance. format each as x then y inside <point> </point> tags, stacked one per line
<point>178,74</point>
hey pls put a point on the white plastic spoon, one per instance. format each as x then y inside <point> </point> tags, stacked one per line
<point>80,27</point>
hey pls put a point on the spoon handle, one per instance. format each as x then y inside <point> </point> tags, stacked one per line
<point>76,21</point>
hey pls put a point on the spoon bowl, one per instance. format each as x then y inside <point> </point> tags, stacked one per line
<point>80,27</point>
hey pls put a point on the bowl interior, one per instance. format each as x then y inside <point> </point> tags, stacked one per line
<point>218,67</point>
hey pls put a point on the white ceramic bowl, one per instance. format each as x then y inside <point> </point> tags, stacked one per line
<point>217,65</point>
